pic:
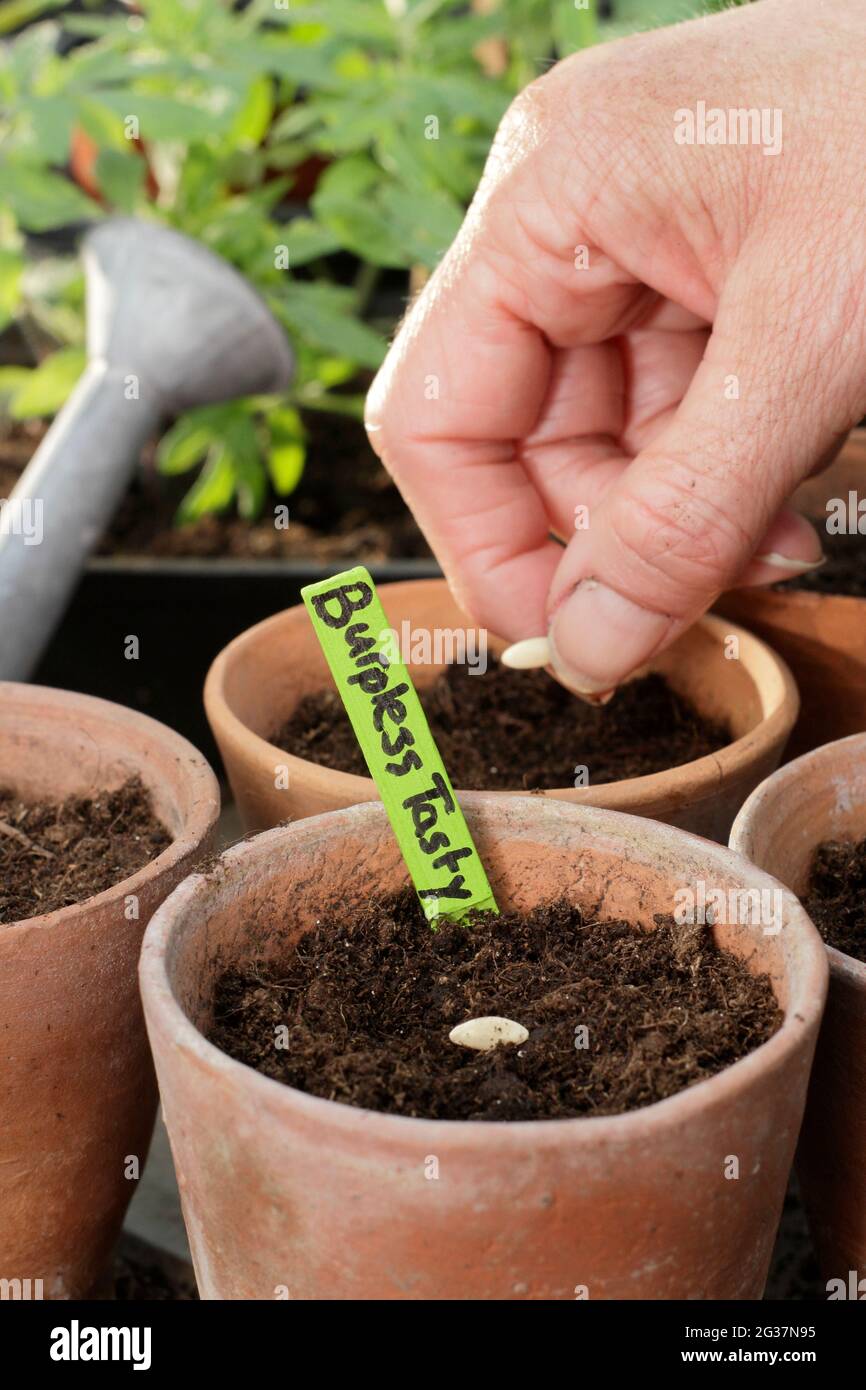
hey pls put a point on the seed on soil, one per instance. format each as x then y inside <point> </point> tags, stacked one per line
<point>617,1017</point>
<point>488,1032</point>
<point>510,730</point>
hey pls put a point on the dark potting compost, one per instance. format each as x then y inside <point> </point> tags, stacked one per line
<point>844,571</point>
<point>54,855</point>
<point>618,1018</point>
<point>142,1273</point>
<point>344,508</point>
<point>511,729</point>
<point>836,896</point>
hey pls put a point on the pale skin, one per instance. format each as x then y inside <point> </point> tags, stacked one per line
<point>707,355</point>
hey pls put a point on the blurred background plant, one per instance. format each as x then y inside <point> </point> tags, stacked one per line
<point>327,150</point>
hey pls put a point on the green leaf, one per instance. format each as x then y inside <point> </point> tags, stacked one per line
<point>121,179</point>
<point>16,13</point>
<point>106,65</point>
<point>350,19</point>
<point>380,221</point>
<point>28,56</point>
<point>652,13</point>
<point>104,127</point>
<point>421,12</point>
<point>363,230</point>
<point>167,118</point>
<point>186,442</point>
<point>351,177</point>
<point>213,490</point>
<point>87,26</point>
<point>308,65</point>
<point>251,484</point>
<point>350,123</point>
<point>294,123</point>
<point>199,188</point>
<point>53,293</point>
<point>574,28</point>
<point>41,200</point>
<point>345,201</point>
<point>51,119</point>
<point>48,385</point>
<point>333,403</point>
<point>252,122</point>
<point>241,443</point>
<point>334,371</point>
<point>235,434</point>
<point>11,271</point>
<point>424,227</point>
<point>12,379</point>
<point>477,97</point>
<point>287,451</point>
<point>320,316</point>
<point>307,240</point>
<point>286,465</point>
<point>449,45</point>
<point>285,423</point>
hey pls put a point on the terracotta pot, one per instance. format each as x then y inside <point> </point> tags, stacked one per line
<point>258,680</point>
<point>822,637</point>
<point>78,1094</point>
<point>822,796</point>
<point>289,1195</point>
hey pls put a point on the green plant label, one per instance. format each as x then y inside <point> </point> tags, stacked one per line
<point>395,738</point>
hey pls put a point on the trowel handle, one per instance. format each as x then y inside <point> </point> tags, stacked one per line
<point>61,505</point>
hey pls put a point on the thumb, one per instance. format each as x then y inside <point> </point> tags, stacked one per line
<point>695,511</point>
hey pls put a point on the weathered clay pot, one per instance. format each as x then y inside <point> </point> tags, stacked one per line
<point>257,681</point>
<point>78,1094</point>
<point>288,1195</point>
<point>822,796</point>
<point>822,637</point>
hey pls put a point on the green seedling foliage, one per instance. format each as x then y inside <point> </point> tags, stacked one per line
<point>225,105</point>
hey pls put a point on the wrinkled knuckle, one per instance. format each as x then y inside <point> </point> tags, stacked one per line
<point>680,544</point>
<point>533,122</point>
<point>598,92</point>
<point>535,107</point>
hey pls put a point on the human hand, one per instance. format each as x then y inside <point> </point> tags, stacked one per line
<point>561,356</point>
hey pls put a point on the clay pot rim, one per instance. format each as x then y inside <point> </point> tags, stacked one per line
<point>204,796</point>
<point>841,964</point>
<point>686,779</point>
<point>161,1006</point>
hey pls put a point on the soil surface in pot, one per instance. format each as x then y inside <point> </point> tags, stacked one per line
<point>54,855</point>
<point>836,896</point>
<point>344,508</point>
<point>507,730</point>
<point>618,1018</point>
<point>143,1274</point>
<point>844,572</point>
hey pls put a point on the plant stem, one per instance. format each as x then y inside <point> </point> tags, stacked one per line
<point>366,281</point>
<point>332,405</point>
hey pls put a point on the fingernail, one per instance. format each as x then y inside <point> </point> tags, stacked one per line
<point>526,655</point>
<point>533,652</point>
<point>597,638</point>
<point>783,562</point>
